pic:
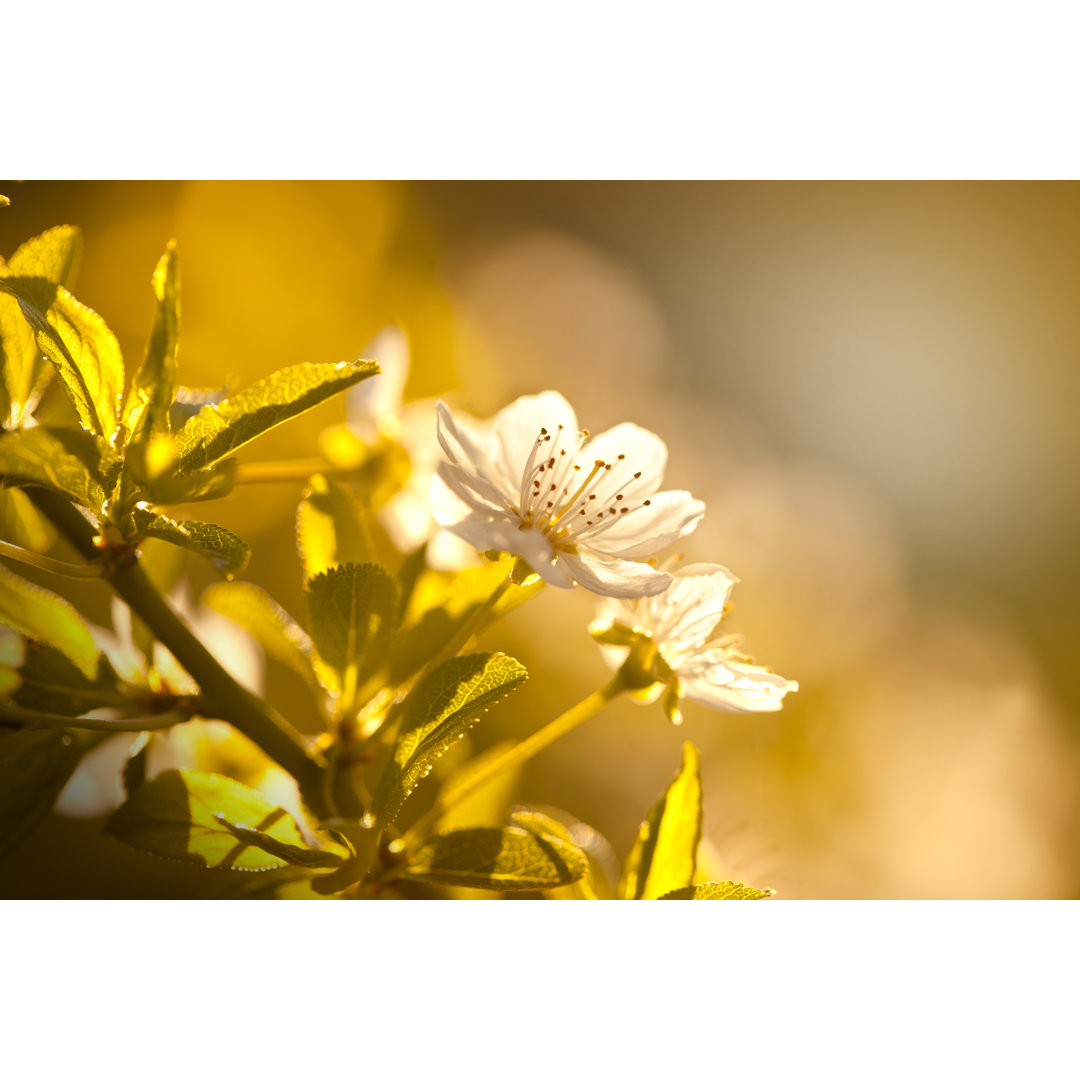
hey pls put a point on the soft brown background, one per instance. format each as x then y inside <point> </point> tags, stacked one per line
<point>874,386</point>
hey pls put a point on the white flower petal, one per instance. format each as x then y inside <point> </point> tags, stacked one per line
<point>515,429</point>
<point>683,618</point>
<point>628,449</point>
<point>461,445</point>
<point>724,684</point>
<point>475,491</point>
<point>614,578</point>
<point>374,405</point>
<point>646,529</point>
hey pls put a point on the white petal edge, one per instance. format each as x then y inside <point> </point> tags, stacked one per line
<point>514,431</point>
<point>615,578</point>
<point>733,687</point>
<point>647,529</point>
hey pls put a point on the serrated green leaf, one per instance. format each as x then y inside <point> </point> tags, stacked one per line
<point>352,611</point>
<point>54,255</point>
<point>222,548</point>
<point>146,411</point>
<point>44,616</point>
<point>441,603</point>
<point>218,430</point>
<point>82,466</point>
<point>212,821</point>
<point>83,350</point>
<point>504,859</point>
<point>34,767</point>
<point>266,621</point>
<point>330,529</point>
<point>719,890</point>
<point>665,853</point>
<point>598,882</point>
<point>437,712</point>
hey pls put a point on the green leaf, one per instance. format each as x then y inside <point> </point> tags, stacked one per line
<point>353,614</point>
<point>218,430</point>
<point>82,348</point>
<point>597,883</point>
<point>34,767</point>
<point>54,255</point>
<point>440,709</point>
<point>84,467</point>
<point>21,522</point>
<point>171,487</point>
<point>52,683</point>
<point>719,890</point>
<point>42,615</point>
<point>266,621</point>
<point>504,859</point>
<point>664,856</point>
<point>215,822</point>
<point>222,548</point>
<point>441,603</point>
<point>146,412</point>
<point>330,529</point>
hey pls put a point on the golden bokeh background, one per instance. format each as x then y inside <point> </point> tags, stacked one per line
<point>875,388</point>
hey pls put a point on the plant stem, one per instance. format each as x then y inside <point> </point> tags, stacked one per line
<point>222,696</point>
<point>16,714</point>
<point>43,562</point>
<point>517,755</point>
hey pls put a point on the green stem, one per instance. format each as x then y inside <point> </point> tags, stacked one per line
<point>43,562</point>
<point>516,755</point>
<point>221,694</point>
<point>16,714</point>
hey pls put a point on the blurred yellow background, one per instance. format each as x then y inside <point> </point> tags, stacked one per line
<point>874,387</point>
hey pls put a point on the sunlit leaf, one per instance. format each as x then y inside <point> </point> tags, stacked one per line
<point>330,529</point>
<point>21,522</point>
<point>34,767</point>
<point>503,859</point>
<point>665,852</point>
<point>266,621</point>
<point>54,255</point>
<point>439,710</point>
<point>146,411</point>
<point>599,882</point>
<point>84,467</point>
<point>213,821</point>
<point>352,612</point>
<point>441,603</point>
<point>218,430</point>
<point>222,548</point>
<point>44,616</point>
<point>82,348</point>
<point>718,890</point>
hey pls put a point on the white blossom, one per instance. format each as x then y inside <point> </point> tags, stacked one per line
<point>375,410</point>
<point>698,661</point>
<point>575,507</point>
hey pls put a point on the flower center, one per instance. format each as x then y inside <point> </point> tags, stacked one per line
<point>565,502</point>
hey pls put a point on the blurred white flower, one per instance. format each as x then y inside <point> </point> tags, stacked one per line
<point>695,661</point>
<point>574,507</point>
<point>95,788</point>
<point>375,411</point>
